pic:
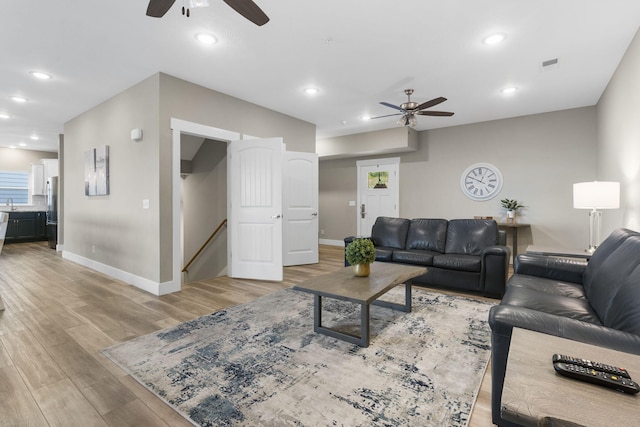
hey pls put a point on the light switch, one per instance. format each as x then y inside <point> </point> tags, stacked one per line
<point>145,203</point>
<point>352,202</point>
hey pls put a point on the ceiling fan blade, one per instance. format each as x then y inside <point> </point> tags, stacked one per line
<point>386,104</point>
<point>388,115</point>
<point>157,8</point>
<point>434,101</point>
<point>435,113</point>
<point>249,10</point>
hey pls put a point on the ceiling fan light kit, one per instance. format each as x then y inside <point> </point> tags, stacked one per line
<point>409,109</point>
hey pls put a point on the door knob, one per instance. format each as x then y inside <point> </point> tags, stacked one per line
<point>275,216</point>
<point>314,214</point>
<point>362,211</point>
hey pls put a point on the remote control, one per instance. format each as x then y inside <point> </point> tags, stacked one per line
<point>594,376</point>
<point>589,364</point>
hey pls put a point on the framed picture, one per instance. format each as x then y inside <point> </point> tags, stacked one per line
<point>96,171</point>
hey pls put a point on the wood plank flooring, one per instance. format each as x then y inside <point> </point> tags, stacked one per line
<point>58,315</point>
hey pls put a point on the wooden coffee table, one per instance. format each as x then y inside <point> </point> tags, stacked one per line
<point>343,285</point>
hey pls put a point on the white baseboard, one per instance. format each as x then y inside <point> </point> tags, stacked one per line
<point>331,242</point>
<point>147,285</point>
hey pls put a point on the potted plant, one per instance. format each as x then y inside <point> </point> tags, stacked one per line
<point>511,205</point>
<point>360,254</point>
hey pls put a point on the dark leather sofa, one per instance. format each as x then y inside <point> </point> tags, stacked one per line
<point>596,302</point>
<point>468,254</point>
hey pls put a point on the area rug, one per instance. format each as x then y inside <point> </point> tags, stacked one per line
<point>261,364</point>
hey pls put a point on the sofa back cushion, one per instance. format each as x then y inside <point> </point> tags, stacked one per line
<point>427,234</point>
<point>612,275</point>
<point>600,256</point>
<point>390,232</point>
<point>470,236</point>
<point>624,313</point>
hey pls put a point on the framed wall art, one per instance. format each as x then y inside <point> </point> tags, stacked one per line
<point>96,171</point>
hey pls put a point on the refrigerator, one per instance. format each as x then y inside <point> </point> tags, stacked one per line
<point>52,211</point>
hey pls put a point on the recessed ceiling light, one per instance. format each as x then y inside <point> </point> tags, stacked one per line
<point>22,144</point>
<point>509,90</point>
<point>494,38</point>
<point>40,75</point>
<point>311,91</point>
<point>365,118</point>
<point>19,99</point>
<point>34,137</point>
<point>4,116</point>
<point>206,38</point>
<point>12,146</point>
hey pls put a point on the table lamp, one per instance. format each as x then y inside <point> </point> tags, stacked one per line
<point>596,195</point>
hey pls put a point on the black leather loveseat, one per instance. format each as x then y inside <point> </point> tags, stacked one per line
<point>468,254</point>
<point>596,302</point>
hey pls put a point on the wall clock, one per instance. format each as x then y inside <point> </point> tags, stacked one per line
<point>481,181</point>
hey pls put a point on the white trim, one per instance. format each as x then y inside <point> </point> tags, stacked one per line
<point>331,242</point>
<point>178,127</point>
<point>150,286</point>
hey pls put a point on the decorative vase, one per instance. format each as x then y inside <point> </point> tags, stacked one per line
<point>361,270</point>
<point>511,216</point>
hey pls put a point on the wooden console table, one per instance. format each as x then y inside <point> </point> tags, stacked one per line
<point>514,227</point>
<point>534,395</point>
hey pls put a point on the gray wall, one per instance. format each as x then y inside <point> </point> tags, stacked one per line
<point>16,159</point>
<point>114,230</point>
<point>619,140</point>
<point>540,157</point>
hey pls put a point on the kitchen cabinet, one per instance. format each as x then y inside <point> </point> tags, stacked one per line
<point>26,227</point>
<point>38,187</point>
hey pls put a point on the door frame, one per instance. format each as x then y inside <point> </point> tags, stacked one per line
<point>179,127</point>
<point>373,162</point>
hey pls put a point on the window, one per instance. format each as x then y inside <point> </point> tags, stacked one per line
<point>14,185</point>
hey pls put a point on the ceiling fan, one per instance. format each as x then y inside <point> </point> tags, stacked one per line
<point>410,109</point>
<point>246,8</point>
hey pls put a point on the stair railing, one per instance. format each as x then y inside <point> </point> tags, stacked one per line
<point>193,258</point>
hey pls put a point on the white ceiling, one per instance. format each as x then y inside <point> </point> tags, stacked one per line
<point>357,52</point>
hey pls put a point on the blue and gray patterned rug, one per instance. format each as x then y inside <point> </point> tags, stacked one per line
<point>261,364</point>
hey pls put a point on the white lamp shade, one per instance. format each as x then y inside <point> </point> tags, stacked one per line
<point>596,195</point>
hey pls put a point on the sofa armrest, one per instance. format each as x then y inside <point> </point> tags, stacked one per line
<point>550,267</point>
<point>495,269</point>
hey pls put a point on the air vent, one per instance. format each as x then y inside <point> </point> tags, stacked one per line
<point>550,64</point>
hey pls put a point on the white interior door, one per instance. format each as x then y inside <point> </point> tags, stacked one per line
<point>300,197</point>
<point>378,191</point>
<point>255,208</point>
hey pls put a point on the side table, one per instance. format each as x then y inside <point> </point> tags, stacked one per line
<point>514,227</point>
<point>559,252</point>
<point>534,395</point>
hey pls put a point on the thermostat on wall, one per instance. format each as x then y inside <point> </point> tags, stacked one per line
<point>136,134</point>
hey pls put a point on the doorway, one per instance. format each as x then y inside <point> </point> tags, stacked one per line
<point>378,184</point>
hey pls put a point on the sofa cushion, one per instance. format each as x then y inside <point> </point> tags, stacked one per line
<point>427,234</point>
<point>458,262</point>
<point>413,256</point>
<point>612,274</point>
<point>573,308</point>
<point>470,236</point>
<point>606,248</point>
<point>549,286</point>
<point>384,254</point>
<point>626,313</point>
<point>390,232</point>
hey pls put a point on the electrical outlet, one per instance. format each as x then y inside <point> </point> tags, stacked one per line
<point>322,232</point>
<point>93,249</point>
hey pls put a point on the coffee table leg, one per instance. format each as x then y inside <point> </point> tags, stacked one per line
<point>362,340</point>
<point>406,307</point>
<point>364,325</point>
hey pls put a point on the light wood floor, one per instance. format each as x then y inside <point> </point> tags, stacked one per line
<point>58,315</point>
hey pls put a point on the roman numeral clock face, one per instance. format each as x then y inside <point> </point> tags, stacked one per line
<point>481,181</point>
